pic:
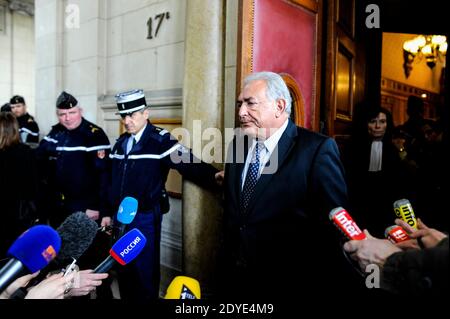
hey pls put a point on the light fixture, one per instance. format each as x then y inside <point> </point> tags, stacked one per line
<point>430,47</point>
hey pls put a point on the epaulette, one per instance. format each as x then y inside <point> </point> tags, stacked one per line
<point>161,131</point>
<point>93,128</point>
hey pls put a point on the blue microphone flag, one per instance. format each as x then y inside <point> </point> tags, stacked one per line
<point>127,210</point>
<point>128,246</point>
<point>36,247</point>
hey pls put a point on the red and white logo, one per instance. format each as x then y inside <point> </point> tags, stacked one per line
<point>345,223</point>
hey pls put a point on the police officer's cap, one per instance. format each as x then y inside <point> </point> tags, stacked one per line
<point>16,99</point>
<point>66,101</point>
<point>131,101</point>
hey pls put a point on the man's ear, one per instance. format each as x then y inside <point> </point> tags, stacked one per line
<point>280,106</point>
<point>146,113</point>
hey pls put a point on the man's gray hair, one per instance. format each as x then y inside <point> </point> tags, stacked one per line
<point>276,87</point>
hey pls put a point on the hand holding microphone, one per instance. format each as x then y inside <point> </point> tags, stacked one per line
<point>31,252</point>
<point>17,284</point>
<point>52,287</point>
<point>362,247</point>
<point>370,251</point>
<point>77,233</point>
<point>86,282</point>
<point>426,237</point>
<point>347,226</point>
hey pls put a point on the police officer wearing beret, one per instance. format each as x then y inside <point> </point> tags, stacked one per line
<point>141,159</point>
<point>28,128</point>
<point>75,156</point>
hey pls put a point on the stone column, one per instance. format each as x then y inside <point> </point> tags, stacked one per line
<point>202,100</point>
<point>49,22</point>
<point>70,55</point>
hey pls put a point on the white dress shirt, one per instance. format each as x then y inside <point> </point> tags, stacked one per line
<point>137,137</point>
<point>264,153</point>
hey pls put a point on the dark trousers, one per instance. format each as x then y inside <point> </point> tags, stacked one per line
<point>140,279</point>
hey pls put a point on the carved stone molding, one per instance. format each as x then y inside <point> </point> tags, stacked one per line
<point>22,6</point>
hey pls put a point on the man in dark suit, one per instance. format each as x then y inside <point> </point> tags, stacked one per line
<point>281,181</point>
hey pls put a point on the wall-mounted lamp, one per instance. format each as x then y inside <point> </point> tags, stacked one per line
<point>430,47</point>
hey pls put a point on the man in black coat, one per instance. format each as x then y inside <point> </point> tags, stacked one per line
<point>28,128</point>
<point>74,160</point>
<point>281,181</point>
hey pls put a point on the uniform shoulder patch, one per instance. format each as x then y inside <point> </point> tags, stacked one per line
<point>30,120</point>
<point>93,128</point>
<point>161,131</point>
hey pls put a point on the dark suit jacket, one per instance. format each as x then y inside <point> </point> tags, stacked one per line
<point>285,238</point>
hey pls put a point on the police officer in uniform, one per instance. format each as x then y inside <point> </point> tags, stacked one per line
<point>141,159</point>
<point>75,157</point>
<point>28,128</point>
<point>75,162</point>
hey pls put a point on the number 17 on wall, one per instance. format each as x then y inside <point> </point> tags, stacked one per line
<point>159,18</point>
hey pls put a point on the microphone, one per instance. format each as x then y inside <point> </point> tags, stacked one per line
<point>77,233</point>
<point>123,251</point>
<point>403,210</point>
<point>32,251</point>
<point>183,287</point>
<point>345,223</point>
<point>126,213</point>
<point>396,234</point>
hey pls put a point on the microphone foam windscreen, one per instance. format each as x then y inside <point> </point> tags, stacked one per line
<point>127,210</point>
<point>183,287</point>
<point>77,233</point>
<point>36,247</point>
<point>128,246</point>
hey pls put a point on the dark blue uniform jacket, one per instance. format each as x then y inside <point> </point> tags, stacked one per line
<point>76,165</point>
<point>143,172</point>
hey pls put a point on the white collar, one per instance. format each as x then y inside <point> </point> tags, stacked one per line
<point>376,156</point>
<point>138,136</point>
<point>273,140</point>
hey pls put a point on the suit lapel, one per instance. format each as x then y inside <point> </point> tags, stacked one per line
<point>277,158</point>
